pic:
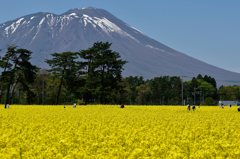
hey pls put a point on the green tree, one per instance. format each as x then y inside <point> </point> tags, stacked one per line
<point>132,83</point>
<point>166,88</point>
<point>123,94</point>
<point>199,76</point>
<point>207,89</point>
<point>155,85</point>
<point>229,93</point>
<point>17,70</point>
<point>52,87</point>
<point>39,86</point>
<point>144,91</point>
<point>209,101</point>
<point>160,86</point>
<point>65,66</point>
<point>104,70</point>
<point>175,87</point>
<point>6,65</point>
<point>210,80</point>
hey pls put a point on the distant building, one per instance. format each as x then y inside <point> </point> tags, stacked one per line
<point>226,102</point>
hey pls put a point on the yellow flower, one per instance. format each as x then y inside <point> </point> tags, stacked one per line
<point>103,131</point>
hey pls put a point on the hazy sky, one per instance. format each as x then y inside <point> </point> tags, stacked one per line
<point>208,30</point>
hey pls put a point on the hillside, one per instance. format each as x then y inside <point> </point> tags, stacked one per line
<point>77,29</point>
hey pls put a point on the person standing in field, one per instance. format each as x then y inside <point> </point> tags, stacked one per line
<point>193,107</point>
<point>222,106</point>
<point>74,105</point>
<point>188,106</point>
<point>199,105</point>
<point>122,106</point>
<point>6,106</point>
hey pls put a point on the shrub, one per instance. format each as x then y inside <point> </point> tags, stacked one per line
<point>80,102</point>
<point>209,101</point>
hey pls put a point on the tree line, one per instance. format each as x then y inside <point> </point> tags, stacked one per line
<point>93,76</point>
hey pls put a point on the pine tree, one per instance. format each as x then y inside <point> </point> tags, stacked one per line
<point>104,70</point>
<point>66,67</point>
<point>17,70</point>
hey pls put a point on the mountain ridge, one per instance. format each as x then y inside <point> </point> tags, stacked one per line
<point>76,29</point>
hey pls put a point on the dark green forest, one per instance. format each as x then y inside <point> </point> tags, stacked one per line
<point>94,76</point>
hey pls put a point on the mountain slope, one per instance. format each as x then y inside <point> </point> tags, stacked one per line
<point>77,29</point>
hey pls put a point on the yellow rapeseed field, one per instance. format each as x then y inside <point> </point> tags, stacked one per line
<point>111,132</point>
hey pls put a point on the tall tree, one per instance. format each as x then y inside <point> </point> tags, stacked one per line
<point>199,76</point>
<point>124,94</point>
<point>133,82</point>
<point>104,70</point>
<point>229,92</point>
<point>210,80</point>
<point>175,87</point>
<point>25,73</point>
<point>65,66</point>
<point>143,92</point>
<point>6,65</point>
<point>39,86</point>
<point>17,69</point>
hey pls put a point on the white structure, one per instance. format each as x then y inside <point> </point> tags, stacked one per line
<point>227,102</point>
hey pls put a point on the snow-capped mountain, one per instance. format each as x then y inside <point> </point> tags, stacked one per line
<point>77,29</point>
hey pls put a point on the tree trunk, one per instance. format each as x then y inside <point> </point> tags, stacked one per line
<point>60,86</point>
<point>8,90</point>
<point>10,100</point>
<point>2,89</point>
<point>103,87</point>
<point>2,93</point>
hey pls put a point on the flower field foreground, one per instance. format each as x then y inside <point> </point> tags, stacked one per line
<point>111,132</point>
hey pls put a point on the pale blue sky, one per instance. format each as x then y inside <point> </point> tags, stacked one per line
<point>208,30</point>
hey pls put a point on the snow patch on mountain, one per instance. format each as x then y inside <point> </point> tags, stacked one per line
<point>106,25</point>
<point>13,27</point>
<point>41,22</point>
<point>87,19</point>
<point>70,16</point>
<point>158,49</point>
<point>38,28</point>
<point>86,8</point>
<point>29,31</point>
<point>74,15</point>
<point>137,31</point>
<point>32,17</point>
<point>149,46</point>
<point>19,21</point>
<point>51,20</point>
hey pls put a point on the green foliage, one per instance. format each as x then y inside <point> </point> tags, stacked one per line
<point>104,70</point>
<point>229,93</point>
<point>132,83</point>
<point>17,70</point>
<point>51,89</point>
<point>80,102</point>
<point>143,91</point>
<point>209,101</point>
<point>123,94</point>
<point>96,79</point>
<point>207,88</point>
<point>166,87</point>
<point>65,66</point>
<point>201,87</point>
